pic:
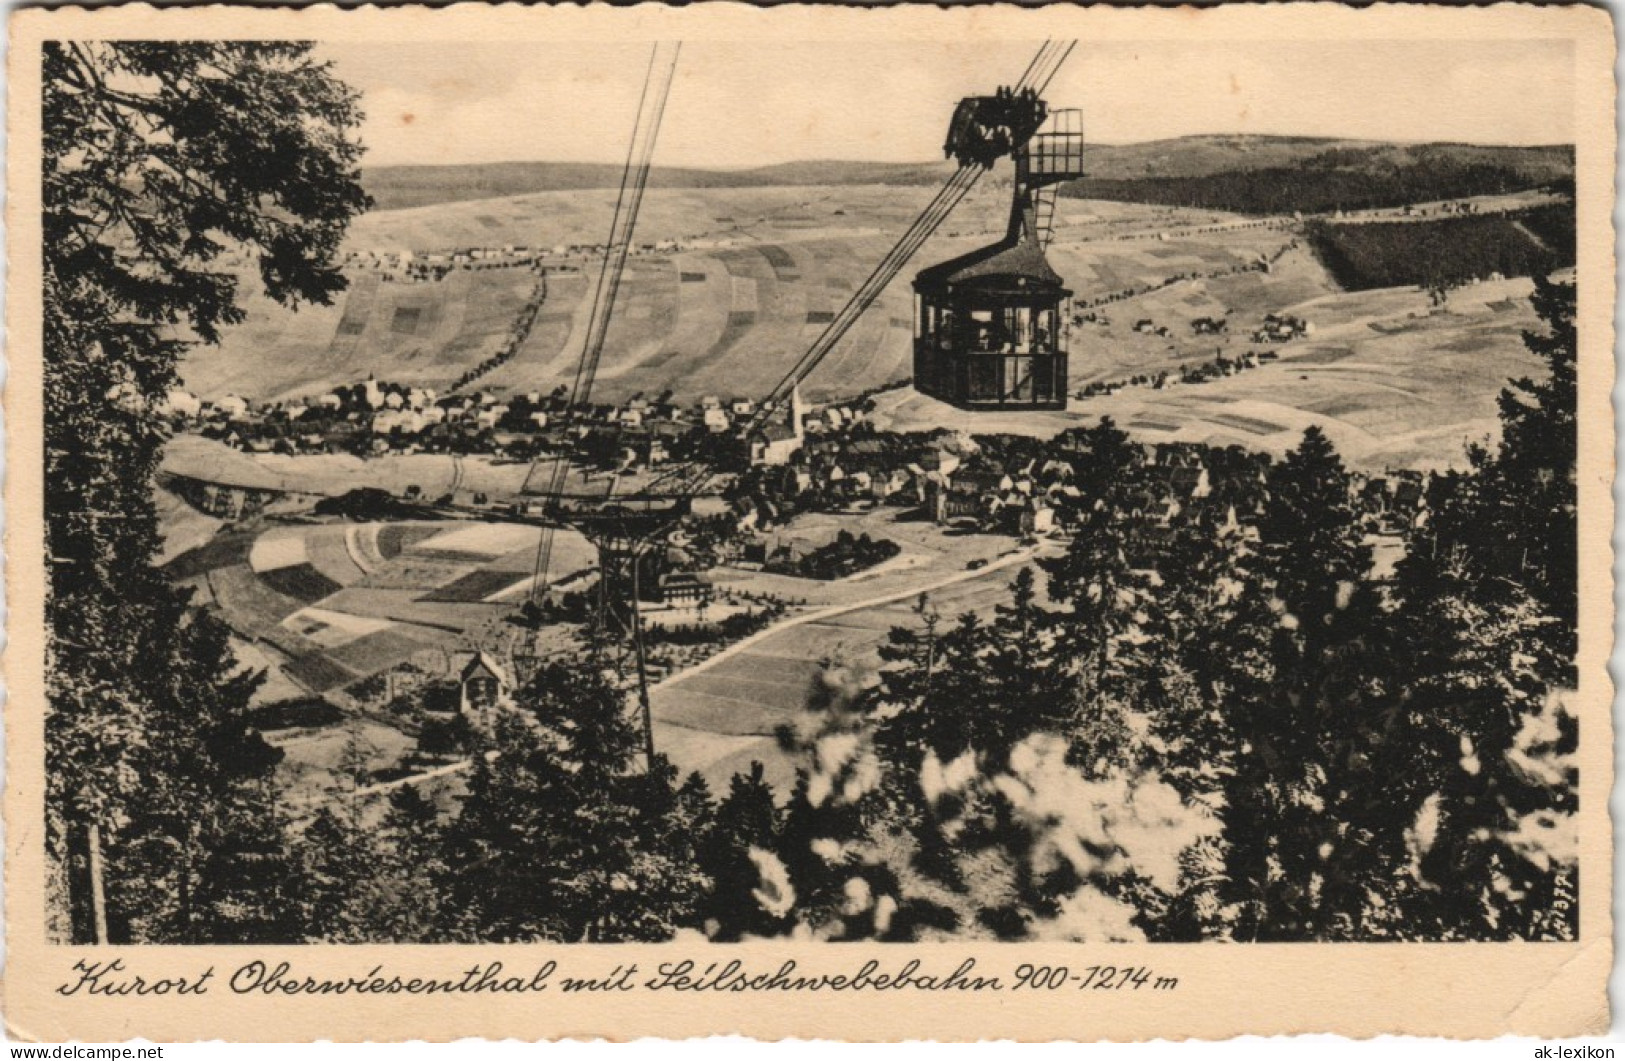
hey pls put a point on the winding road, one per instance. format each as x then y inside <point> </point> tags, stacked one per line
<point>718,716</point>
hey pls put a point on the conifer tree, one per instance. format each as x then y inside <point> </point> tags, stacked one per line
<point>341,856</point>
<point>991,684</point>
<point>1487,602</point>
<point>1484,766</point>
<point>370,870</point>
<point>1301,686</point>
<point>1310,535</point>
<point>1102,584</point>
<point>747,818</point>
<point>561,837</point>
<point>413,873</point>
<point>157,158</point>
<point>1177,668</point>
<point>1513,516</point>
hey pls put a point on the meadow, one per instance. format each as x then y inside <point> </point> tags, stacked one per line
<point>719,718</point>
<point>332,603</point>
<point>759,273</point>
<point>737,277</point>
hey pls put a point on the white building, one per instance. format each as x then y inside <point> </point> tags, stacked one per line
<point>780,439</point>
<point>180,402</point>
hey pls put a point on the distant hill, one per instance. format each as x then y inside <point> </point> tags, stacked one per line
<point>1274,175</point>
<point>1200,156</point>
<point>400,187</point>
<point>1251,174</point>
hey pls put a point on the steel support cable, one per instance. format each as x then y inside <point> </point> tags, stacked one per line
<point>1040,71</point>
<point>1045,63</point>
<point>1058,57</point>
<point>634,179</point>
<point>581,387</point>
<point>574,397</point>
<point>1035,77</point>
<point>952,192</point>
<point>638,188</point>
<point>649,129</point>
<point>947,198</point>
<point>950,196</point>
<point>1025,74</point>
<point>1030,76</point>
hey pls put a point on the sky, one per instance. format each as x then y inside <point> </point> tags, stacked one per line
<point>736,105</point>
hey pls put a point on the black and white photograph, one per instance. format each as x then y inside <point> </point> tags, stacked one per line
<point>904,490</point>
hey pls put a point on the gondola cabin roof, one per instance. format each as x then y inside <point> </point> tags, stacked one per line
<point>1010,267</point>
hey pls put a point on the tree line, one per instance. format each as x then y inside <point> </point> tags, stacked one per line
<point>1446,252</point>
<point>1341,179</point>
<point>157,159</point>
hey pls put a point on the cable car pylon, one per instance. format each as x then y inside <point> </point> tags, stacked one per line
<point>617,542</point>
<point>622,531</point>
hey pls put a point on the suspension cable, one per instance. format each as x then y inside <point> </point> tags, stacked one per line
<point>634,179</point>
<point>1040,71</point>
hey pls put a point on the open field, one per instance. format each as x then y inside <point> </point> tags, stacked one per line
<point>403,591</point>
<point>182,527</point>
<point>718,718</point>
<point>928,555</point>
<point>760,272</point>
<point>335,474</point>
<point>395,187</point>
<point>327,604</point>
<point>1392,381</point>
<point>363,546</point>
<point>312,766</point>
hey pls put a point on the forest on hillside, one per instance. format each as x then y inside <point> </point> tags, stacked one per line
<point>1258,174</point>
<point>1344,179</point>
<point>1448,251</point>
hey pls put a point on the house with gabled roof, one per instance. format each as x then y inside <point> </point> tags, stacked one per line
<point>483,685</point>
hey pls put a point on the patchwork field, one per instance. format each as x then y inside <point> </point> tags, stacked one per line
<point>721,717</point>
<point>423,334</point>
<point>325,605</point>
<point>761,271</point>
<point>1393,381</point>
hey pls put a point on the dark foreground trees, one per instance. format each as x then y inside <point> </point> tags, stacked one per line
<point>1489,598</point>
<point>1219,726</point>
<point>563,836</point>
<point>161,160</point>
